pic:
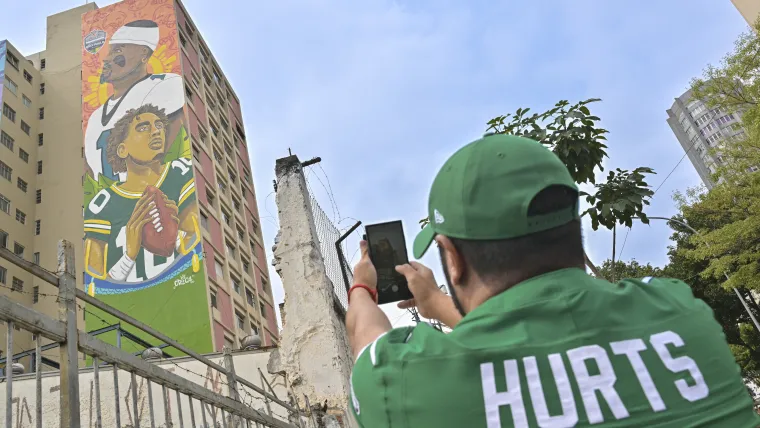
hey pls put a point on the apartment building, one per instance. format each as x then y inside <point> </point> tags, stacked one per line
<point>41,181</point>
<point>749,9</point>
<point>701,130</point>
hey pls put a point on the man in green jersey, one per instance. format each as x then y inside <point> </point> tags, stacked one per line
<point>114,219</point>
<point>536,342</point>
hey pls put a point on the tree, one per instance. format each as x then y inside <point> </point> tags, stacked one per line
<point>573,134</point>
<point>632,269</point>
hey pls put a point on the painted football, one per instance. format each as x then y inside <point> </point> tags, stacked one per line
<point>159,236</point>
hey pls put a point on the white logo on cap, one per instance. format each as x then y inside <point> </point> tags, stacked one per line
<point>438,217</point>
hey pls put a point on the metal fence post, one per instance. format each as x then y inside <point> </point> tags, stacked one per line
<point>69,352</point>
<point>231,384</point>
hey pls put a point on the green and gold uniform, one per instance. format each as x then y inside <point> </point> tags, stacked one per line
<point>106,216</point>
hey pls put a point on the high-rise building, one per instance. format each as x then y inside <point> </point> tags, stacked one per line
<point>700,129</point>
<point>198,268</point>
<point>750,10</point>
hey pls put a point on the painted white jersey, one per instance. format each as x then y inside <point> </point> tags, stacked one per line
<point>164,91</point>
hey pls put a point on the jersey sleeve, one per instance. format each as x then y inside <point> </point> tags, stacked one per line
<point>97,224</point>
<point>168,94</point>
<point>680,294</point>
<point>377,379</point>
<point>179,184</point>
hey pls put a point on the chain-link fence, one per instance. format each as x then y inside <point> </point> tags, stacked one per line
<point>329,235</point>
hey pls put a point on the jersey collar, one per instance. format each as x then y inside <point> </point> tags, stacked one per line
<point>132,195</point>
<point>530,291</point>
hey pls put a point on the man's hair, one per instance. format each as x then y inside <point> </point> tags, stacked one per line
<point>531,255</point>
<point>120,132</point>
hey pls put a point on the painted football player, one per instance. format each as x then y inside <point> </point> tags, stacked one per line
<point>125,68</point>
<point>129,224</point>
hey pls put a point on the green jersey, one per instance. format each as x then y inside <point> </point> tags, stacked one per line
<point>560,350</point>
<point>106,216</point>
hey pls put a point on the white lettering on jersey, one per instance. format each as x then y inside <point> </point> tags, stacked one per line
<point>99,201</point>
<point>604,382</point>
<point>694,392</point>
<point>631,349</point>
<point>512,397</point>
<point>569,416</point>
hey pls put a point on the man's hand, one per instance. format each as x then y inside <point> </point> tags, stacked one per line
<point>430,301</point>
<point>135,225</point>
<point>364,271</point>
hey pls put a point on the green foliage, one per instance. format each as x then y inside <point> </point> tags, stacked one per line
<point>632,269</point>
<point>570,131</point>
<point>573,134</point>
<point>620,199</point>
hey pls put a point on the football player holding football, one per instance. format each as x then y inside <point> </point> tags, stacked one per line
<point>115,218</point>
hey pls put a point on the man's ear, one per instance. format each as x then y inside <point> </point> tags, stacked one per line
<point>121,151</point>
<point>457,269</point>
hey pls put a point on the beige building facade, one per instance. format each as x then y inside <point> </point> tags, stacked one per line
<point>750,9</point>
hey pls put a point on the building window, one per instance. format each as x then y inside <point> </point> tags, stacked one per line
<point>265,285</point>
<point>226,217</point>
<point>230,250</point>
<point>9,112</point>
<point>210,197</point>
<point>5,171</point>
<point>11,85</point>
<point>37,227</point>
<point>196,153</point>
<point>182,39</point>
<point>35,294</point>
<point>3,239</point>
<point>213,300</point>
<point>12,60</point>
<point>263,310</point>
<point>253,248</point>
<point>188,92</point>
<point>204,221</point>
<point>42,64</point>
<point>241,234</point>
<point>42,89</point>
<point>18,249</point>
<point>219,269</point>
<point>228,150</point>
<point>27,76</point>
<point>6,140</point>
<point>214,130</point>
<point>5,205</point>
<point>236,204</point>
<point>222,186</point>
<point>254,329</point>
<point>249,297</point>
<point>39,196</point>
<point>240,320</point>
<point>36,258</point>
<point>25,127</point>
<point>23,155</point>
<point>217,78</point>
<point>236,285</point>
<point>40,139</point>
<point>42,113</point>
<point>21,184</point>
<point>3,275</point>
<point>20,216</point>
<point>18,285</point>
<point>39,167</point>
<point>27,102</point>
<point>217,156</point>
<point>246,265</point>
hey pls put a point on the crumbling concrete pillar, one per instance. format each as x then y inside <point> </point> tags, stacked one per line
<point>313,353</point>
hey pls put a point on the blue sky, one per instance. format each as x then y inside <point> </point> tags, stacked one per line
<point>383,91</point>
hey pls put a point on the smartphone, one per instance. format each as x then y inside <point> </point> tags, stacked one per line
<point>387,249</point>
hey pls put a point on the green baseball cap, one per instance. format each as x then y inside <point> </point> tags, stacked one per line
<point>483,191</point>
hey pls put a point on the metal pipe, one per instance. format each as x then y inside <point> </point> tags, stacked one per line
<point>38,379</point>
<point>150,404</point>
<point>134,401</point>
<point>167,411</point>
<point>116,394</point>
<point>738,294</point>
<point>192,411</point>
<point>9,377</point>
<point>179,409</point>
<point>96,374</point>
<point>224,419</point>
<point>203,413</point>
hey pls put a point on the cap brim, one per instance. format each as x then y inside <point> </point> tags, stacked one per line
<point>422,241</point>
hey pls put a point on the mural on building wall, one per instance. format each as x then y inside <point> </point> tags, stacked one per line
<point>143,251</point>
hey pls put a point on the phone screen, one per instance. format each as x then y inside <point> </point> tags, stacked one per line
<point>387,249</point>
